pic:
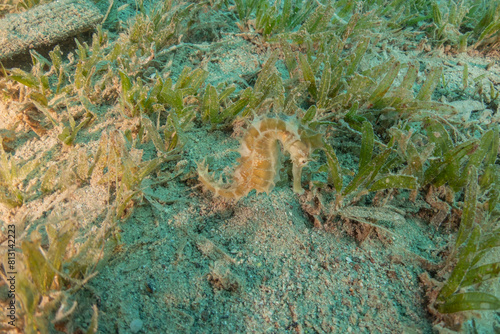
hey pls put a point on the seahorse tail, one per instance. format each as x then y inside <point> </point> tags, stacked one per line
<point>230,191</point>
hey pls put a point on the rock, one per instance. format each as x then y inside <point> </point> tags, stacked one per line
<point>46,25</point>
<point>136,325</point>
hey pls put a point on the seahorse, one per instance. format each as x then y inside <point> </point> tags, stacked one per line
<point>259,163</point>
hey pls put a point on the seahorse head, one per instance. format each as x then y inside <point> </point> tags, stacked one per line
<point>300,153</point>
<point>301,150</point>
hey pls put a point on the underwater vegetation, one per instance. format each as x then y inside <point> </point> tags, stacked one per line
<point>117,116</point>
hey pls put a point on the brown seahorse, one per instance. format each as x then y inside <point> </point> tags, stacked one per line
<point>259,162</point>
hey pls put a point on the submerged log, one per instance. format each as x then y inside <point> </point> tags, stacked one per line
<point>46,25</point>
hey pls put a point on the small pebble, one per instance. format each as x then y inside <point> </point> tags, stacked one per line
<point>136,325</point>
